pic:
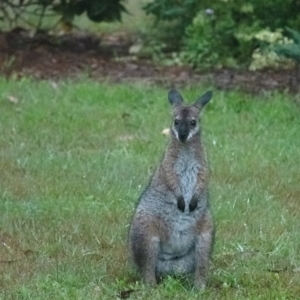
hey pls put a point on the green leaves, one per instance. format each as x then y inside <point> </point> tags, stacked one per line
<point>222,33</point>
<point>290,50</point>
<point>96,10</point>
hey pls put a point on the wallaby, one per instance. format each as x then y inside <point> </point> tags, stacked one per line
<point>172,229</point>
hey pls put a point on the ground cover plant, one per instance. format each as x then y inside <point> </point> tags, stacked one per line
<point>74,156</point>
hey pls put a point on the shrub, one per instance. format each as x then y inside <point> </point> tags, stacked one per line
<point>290,50</point>
<point>174,15</point>
<point>223,32</point>
<point>267,56</point>
<point>14,12</point>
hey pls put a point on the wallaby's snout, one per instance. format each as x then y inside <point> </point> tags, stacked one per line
<point>182,129</point>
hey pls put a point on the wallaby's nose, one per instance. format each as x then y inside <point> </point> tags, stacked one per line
<point>183,132</point>
<point>182,137</point>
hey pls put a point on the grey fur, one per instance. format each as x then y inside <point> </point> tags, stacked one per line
<point>172,229</point>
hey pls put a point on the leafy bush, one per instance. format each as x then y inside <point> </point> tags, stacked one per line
<point>175,15</point>
<point>290,50</point>
<point>14,12</point>
<point>266,55</point>
<point>223,32</point>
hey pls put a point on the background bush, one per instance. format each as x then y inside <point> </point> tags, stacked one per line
<point>34,12</point>
<point>222,33</point>
<point>204,34</point>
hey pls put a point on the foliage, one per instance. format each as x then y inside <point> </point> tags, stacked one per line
<point>265,56</point>
<point>74,157</point>
<point>175,17</point>
<point>217,33</point>
<point>290,50</point>
<point>13,12</point>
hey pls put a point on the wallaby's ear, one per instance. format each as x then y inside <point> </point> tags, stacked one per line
<point>203,99</point>
<point>175,98</point>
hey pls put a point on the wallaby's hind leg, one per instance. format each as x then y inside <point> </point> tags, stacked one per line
<point>205,236</point>
<point>144,239</point>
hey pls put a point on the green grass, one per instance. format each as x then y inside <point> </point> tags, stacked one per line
<point>74,157</point>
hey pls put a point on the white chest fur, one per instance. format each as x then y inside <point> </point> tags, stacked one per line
<point>187,168</point>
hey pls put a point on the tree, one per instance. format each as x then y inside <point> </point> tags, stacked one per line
<point>14,12</point>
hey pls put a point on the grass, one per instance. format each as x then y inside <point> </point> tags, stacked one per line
<point>74,157</point>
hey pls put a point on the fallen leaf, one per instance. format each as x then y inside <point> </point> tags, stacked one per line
<point>125,294</point>
<point>54,85</point>
<point>296,270</point>
<point>125,115</point>
<point>279,270</point>
<point>126,137</point>
<point>166,131</point>
<point>134,49</point>
<point>13,99</point>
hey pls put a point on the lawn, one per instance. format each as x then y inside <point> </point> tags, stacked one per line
<point>74,157</point>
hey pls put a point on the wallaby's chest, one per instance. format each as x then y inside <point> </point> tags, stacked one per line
<point>187,169</point>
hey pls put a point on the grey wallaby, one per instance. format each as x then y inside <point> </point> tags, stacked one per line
<point>172,229</point>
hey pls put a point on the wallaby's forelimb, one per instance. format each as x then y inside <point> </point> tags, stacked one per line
<point>194,202</point>
<point>181,203</point>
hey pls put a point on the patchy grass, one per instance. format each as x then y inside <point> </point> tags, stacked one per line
<point>74,157</point>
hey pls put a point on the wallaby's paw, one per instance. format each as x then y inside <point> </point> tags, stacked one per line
<point>181,203</point>
<point>150,280</point>
<point>199,285</point>
<point>193,203</point>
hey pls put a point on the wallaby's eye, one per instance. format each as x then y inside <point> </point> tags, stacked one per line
<point>193,123</point>
<point>176,122</point>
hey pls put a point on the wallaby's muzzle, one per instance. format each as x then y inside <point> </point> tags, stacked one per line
<point>183,132</point>
<point>183,137</point>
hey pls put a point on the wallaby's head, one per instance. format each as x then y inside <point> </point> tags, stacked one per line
<point>186,117</point>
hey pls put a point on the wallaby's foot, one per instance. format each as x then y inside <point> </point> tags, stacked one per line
<point>193,203</point>
<point>181,203</point>
<point>150,279</point>
<point>199,283</point>
<point>200,280</point>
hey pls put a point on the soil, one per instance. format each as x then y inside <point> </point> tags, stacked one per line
<point>108,58</point>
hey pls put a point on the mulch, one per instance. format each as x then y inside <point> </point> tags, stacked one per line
<point>45,56</point>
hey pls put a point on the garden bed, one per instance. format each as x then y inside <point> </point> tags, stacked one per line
<point>108,58</point>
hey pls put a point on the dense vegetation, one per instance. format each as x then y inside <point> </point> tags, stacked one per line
<point>34,12</point>
<point>204,34</point>
<point>226,33</point>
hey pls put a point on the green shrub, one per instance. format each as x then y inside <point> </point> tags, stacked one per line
<point>174,17</point>
<point>267,56</point>
<point>12,12</point>
<point>223,32</point>
<point>290,50</point>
